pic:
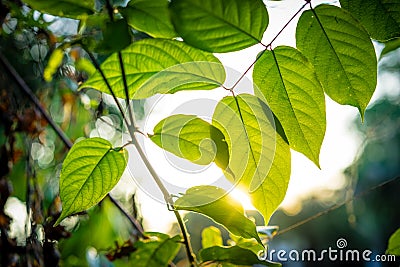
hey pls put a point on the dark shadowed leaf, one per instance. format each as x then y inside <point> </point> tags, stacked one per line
<point>381,18</point>
<point>235,255</point>
<point>151,17</point>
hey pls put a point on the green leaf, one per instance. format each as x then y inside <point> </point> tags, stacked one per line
<point>151,17</point>
<point>390,46</point>
<point>211,236</point>
<point>381,18</point>
<point>394,244</point>
<point>271,193</point>
<point>53,64</point>
<point>90,170</point>
<point>216,204</point>
<point>246,243</point>
<point>157,250</point>
<point>236,255</point>
<point>156,66</point>
<point>249,130</point>
<point>63,8</point>
<point>220,25</point>
<point>293,92</point>
<point>192,138</point>
<point>341,52</point>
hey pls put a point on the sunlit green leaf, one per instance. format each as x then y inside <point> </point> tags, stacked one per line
<point>216,204</point>
<point>235,255</point>
<point>90,170</point>
<point>249,130</point>
<point>63,8</point>
<point>381,18</point>
<point>246,243</point>
<point>220,25</point>
<point>336,44</point>
<point>53,64</point>
<point>156,66</point>
<point>290,86</point>
<point>191,138</point>
<point>271,193</point>
<point>151,17</point>
<point>211,236</point>
<point>394,244</point>
<point>157,250</point>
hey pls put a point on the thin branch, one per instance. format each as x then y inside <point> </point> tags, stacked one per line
<point>25,88</point>
<point>103,76</point>
<point>132,220</point>
<point>267,46</point>
<point>336,206</point>
<point>132,130</point>
<point>32,97</point>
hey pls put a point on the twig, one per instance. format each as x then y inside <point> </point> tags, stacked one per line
<point>132,130</point>
<point>25,88</point>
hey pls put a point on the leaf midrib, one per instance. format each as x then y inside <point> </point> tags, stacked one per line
<point>227,22</point>
<point>91,172</point>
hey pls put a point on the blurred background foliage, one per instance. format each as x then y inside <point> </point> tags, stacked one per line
<point>31,155</point>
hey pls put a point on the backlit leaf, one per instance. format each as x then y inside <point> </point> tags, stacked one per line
<point>216,204</point>
<point>249,130</point>
<point>394,244</point>
<point>91,169</point>
<point>211,236</point>
<point>235,255</point>
<point>191,138</point>
<point>63,8</point>
<point>157,250</point>
<point>220,25</point>
<point>381,18</point>
<point>156,66</point>
<point>290,86</point>
<point>272,191</point>
<point>337,45</point>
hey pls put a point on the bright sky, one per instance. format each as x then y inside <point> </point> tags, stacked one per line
<point>338,150</point>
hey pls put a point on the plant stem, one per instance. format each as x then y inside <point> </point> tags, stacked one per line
<point>32,97</point>
<point>25,88</point>
<point>132,130</point>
